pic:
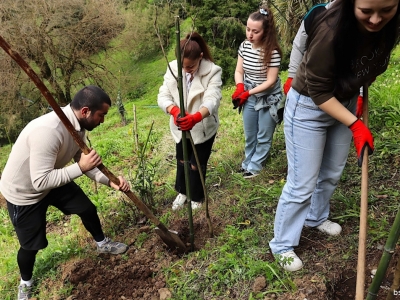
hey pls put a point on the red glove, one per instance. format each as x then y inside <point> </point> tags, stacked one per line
<point>175,111</point>
<point>359,109</point>
<point>287,85</point>
<point>238,91</point>
<point>362,138</point>
<point>243,97</point>
<point>187,122</point>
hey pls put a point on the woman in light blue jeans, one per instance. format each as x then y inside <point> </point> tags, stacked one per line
<point>258,88</point>
<point>348,46</point>
<point>317,147</point>
<point>259,121</point>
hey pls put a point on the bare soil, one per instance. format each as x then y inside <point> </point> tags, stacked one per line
<point>137,274</point>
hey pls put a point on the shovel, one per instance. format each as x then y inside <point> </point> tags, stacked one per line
<point>170,238</point>
<point>363,209</point>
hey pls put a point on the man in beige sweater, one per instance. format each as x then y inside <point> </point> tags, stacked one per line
<point>38,174</point>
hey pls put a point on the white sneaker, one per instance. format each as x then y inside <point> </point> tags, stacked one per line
<point>289,261</point>
<point>330,228</point>
<point>178,202</point>
<point>196,205</point>
<point>24,292</point>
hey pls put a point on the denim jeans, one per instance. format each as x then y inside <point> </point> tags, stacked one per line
<point>317,147</point>
<point>259,129</point>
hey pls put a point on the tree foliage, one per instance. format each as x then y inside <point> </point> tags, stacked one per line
<point>144,19</point>
<point>288,16</point>
<point>58,39</point>
<point>222,24</point>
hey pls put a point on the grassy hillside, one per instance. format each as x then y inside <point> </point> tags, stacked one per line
<point>226,266</point>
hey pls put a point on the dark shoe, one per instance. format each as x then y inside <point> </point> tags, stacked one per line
<point>241,170</point>
<point>112,247</point>
<point>248,175</point>
<point>24,292</point>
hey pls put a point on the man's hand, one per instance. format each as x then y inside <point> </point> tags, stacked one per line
<point>123,185</point>
<point>238,91</point>
<point>287,85</point>
<point>175,111</point>
<point>187,123</point>
<point>362,138</point>
<point>89,161</point>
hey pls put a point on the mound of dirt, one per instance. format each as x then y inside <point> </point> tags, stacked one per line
<point>135,274</point>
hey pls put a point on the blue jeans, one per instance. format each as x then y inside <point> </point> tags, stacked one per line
<point>259,129</point>
<point>317,147</point>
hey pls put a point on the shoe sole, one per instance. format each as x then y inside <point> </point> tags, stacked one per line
<point>250,176</point>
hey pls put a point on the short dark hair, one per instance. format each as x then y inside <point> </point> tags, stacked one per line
<point>92,97</point>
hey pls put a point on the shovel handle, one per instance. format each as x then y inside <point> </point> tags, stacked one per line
<point>362,239</point>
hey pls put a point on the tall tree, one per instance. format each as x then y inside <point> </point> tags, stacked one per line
<point>222,24</point>
<point>60,38</point>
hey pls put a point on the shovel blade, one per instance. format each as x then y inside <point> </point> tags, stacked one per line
<point>171,239</point>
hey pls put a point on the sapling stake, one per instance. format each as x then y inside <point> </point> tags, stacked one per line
<point>184,140</point>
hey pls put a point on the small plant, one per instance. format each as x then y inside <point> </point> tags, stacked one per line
<point>143,179</point>
<point>141,238</point>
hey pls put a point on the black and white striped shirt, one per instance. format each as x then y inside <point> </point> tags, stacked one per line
<point>254,69</point>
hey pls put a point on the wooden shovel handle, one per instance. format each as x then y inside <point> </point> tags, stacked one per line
<point>362,240</point>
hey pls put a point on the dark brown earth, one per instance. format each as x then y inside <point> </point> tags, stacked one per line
<point>137,274</point>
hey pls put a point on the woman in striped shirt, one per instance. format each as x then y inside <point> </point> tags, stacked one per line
<point>258,88</point>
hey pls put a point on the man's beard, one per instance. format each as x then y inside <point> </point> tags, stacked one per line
<point>87,124</point>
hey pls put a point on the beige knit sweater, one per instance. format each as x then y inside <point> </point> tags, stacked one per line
<point>39,160</point>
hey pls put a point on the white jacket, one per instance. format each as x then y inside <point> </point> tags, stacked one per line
<point>205,91</point>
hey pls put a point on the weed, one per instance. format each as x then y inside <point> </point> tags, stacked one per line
<point>140,239</point>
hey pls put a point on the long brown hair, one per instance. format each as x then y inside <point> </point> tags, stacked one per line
<point>269,40</point>
<point>193,45</point>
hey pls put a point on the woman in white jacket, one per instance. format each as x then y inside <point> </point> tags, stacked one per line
<point>202,95</point>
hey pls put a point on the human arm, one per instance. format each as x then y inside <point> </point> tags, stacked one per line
<point>208,104</point>
<point>175,112</point>
<point>296,56</point>
<point>89,161</point>
<point>361,134</point>
<point>49,160</point>
<point>187,122</point>
<point>298,49</point>
<point>272,76</point>
<point>123,184</point>
<point>168,91</point>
